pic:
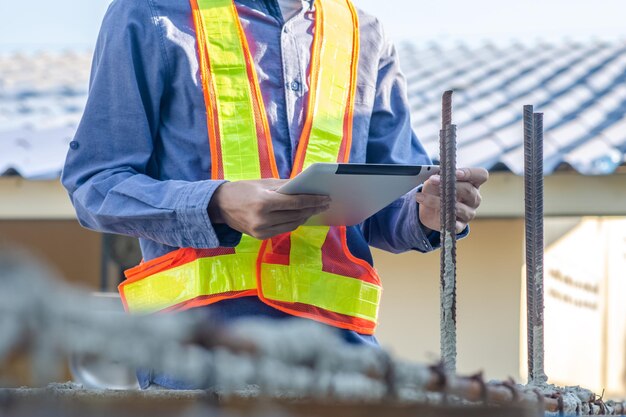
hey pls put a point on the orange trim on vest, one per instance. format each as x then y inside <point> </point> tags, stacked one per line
<point>316,48</point>
<point>206,300</point>
<point>345,153</point>
<point>266,148</point>
<point>217,169</point>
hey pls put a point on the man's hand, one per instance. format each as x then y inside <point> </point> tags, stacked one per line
<point>468,198</point>
<point>256,209</point>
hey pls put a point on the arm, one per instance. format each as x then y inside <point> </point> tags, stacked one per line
<point>411,222</point>
<point>106,168</point>
<point>106,171</point>
<point>391,140</point>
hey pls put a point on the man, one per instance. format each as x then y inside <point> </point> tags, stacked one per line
<point>197,108</point>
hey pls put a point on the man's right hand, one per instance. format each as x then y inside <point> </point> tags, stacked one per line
<point>256,209</point>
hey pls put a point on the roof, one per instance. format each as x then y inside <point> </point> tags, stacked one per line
<point>42,97</point>
<point>581,88</point>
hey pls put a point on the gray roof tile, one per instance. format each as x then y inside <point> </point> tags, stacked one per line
<point>581,88</point>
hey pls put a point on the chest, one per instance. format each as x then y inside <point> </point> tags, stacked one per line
<point>281,52</point>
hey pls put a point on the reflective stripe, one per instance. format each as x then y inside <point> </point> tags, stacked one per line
<point>336,293</point>
<point>202,277</point>
<point>248,244</point>
<point>333,82</point>
<point>235,111</point>
<point>306,246</point>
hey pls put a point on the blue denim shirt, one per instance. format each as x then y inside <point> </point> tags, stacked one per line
<point>139,164</point>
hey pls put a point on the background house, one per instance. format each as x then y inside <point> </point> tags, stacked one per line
<point>582,91</point>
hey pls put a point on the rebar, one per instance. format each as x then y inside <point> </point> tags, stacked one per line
<point>446,111</point>
<point>448,236</point>
<point>533,181</point>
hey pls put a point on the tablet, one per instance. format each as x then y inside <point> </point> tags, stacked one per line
<point>357,190</point>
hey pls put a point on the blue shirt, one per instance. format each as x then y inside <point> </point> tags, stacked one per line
<point>140,162</point>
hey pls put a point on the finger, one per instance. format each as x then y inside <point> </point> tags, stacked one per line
<point>432,185</point>
<point>428,200</point>
<point>475,176</point>
<point>464,213</point>
<point>273,184</point>
<point>288,216</point>
<point>279,229</point>
<point>466,193</point>
<point>459,227</point>
<point>280,202</point>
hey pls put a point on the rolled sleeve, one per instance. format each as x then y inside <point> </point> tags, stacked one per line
<point>198,229</point>
<point>419,238</point>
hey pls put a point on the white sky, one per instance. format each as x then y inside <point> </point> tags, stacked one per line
<point>58,24</point>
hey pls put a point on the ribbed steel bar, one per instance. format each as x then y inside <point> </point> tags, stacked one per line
<point>533,181</point>
<point>446,111</point>
<point>448,236</point>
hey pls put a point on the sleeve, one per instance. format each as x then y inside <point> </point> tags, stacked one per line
<point>106,168</point>
<point>391,140</point>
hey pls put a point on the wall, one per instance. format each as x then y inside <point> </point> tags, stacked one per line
<point>585,313</point>
<point>73,251</point>
<point>489,264</point>
<point>488,311</point>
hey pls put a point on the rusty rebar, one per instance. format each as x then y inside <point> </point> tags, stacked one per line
<point>533,181</point>
<point>446,110</point>
<point>448,236</point>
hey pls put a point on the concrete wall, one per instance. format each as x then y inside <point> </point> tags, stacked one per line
<point>488,315</point>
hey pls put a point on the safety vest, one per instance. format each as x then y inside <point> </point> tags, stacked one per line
<point>309,272</point>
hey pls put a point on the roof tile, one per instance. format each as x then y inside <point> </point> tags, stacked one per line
<point>581,88</point>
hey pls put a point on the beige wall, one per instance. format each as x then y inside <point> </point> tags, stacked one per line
<point>489,265</point>
<point>73,251</point>
<point>488,315</point>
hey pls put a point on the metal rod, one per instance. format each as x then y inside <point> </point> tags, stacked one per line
<point>448,236</point>
<point>446,119</point>
<point>533,165</point>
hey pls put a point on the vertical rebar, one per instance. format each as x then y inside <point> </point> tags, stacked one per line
<point>533,181</point>
<point>448,236</point>
<point>446,111</point>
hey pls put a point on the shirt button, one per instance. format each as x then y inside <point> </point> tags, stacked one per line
<point>73,145</point>
<point>294,85</point>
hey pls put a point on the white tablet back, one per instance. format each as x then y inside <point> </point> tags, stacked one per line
<point>357,190</point>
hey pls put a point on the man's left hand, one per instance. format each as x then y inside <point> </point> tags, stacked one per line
<point>468,198</point>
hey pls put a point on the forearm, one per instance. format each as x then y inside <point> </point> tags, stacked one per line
<point>173,213</point>
<point>397,229</point>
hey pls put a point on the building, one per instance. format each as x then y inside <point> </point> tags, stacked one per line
<point>581,88</point>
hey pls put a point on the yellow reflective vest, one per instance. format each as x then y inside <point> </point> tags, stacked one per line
<point>309,272</point>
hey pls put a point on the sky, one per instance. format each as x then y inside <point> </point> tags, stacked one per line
<point>73,24</point>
